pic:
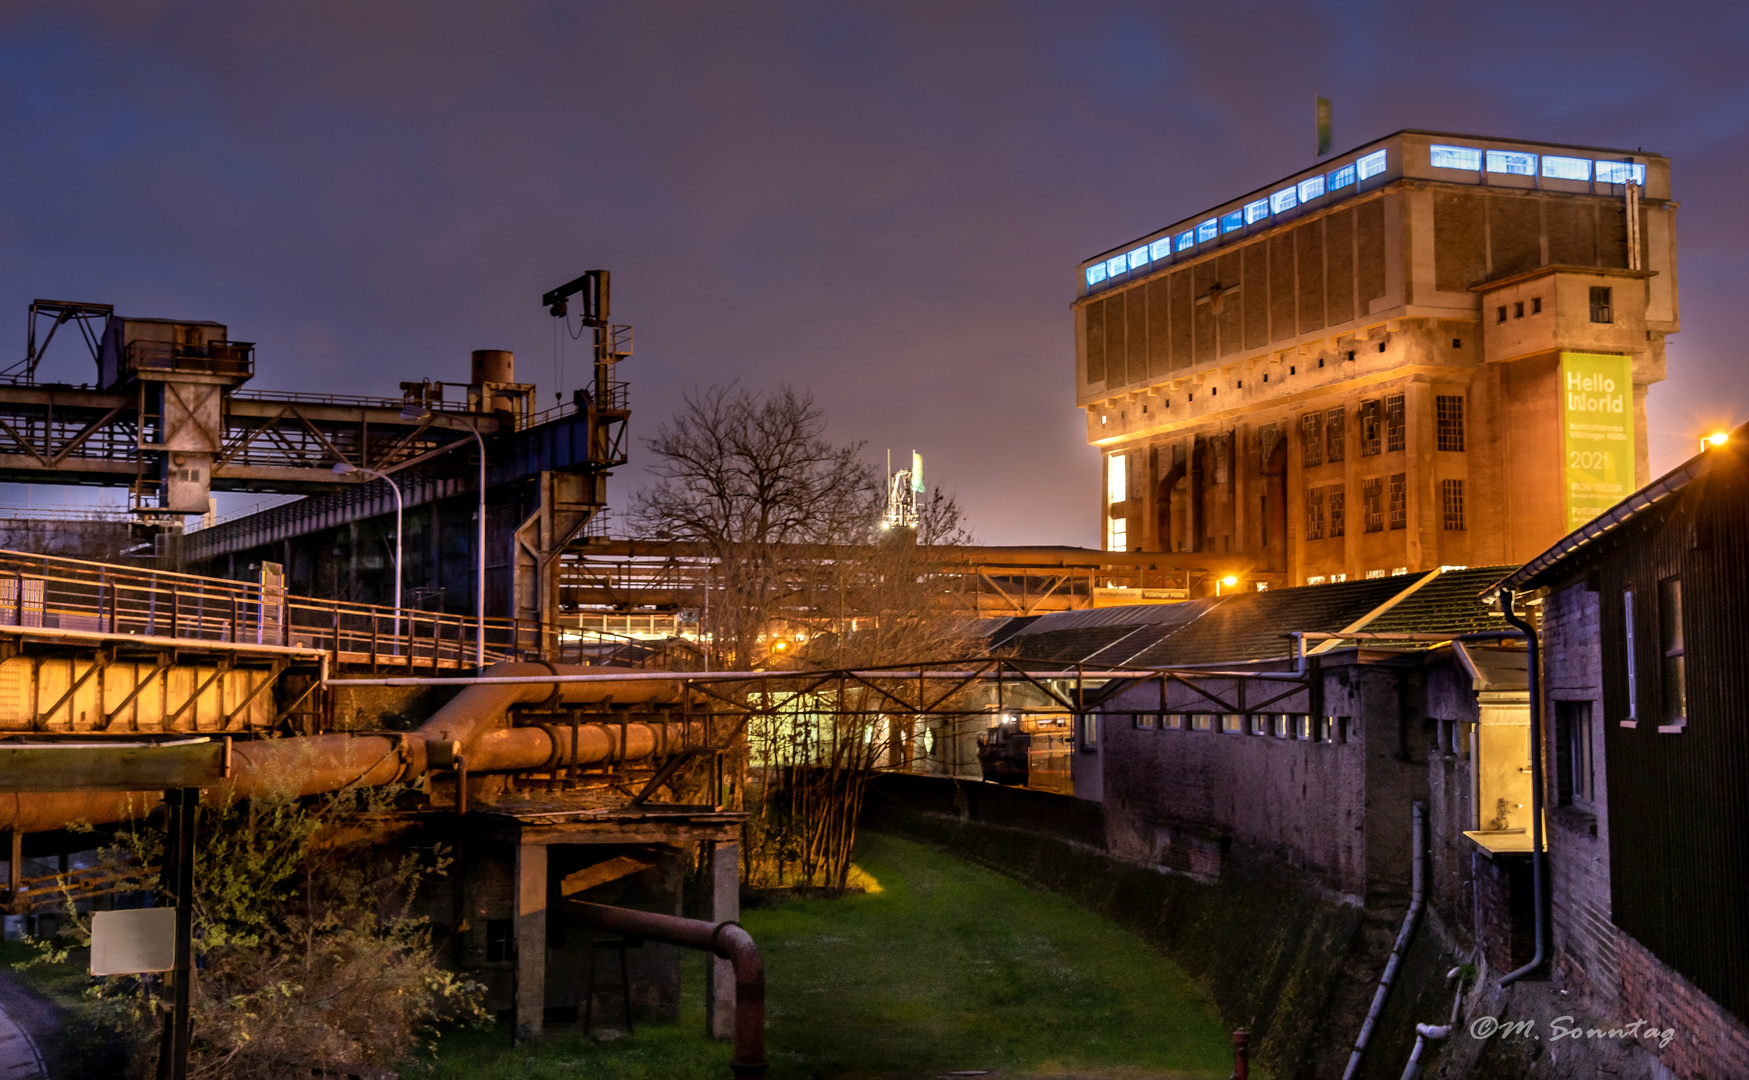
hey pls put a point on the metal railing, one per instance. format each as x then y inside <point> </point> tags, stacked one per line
<point>233,358</point>
<point>71,594</point>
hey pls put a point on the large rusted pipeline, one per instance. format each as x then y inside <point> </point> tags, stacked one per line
<point>471,722</point>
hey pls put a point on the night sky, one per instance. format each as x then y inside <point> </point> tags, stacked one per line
<point>884,203</point>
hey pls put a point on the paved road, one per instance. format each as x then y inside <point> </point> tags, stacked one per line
<point>20,1012</point>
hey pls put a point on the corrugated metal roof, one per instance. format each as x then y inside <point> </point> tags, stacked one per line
<point>1126,615</point>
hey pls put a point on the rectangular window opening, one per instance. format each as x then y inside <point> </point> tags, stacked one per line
<point>1573,768</point>
<point>1449,411</point>
<point>1394,426</point>
<point>1673,673</point>
<point>1601,309</point>
<point>1399,500</point>
<point>1455,157</point>
<point>1373,504</point>
<point>1337,525</point>
<point>1452,500</point>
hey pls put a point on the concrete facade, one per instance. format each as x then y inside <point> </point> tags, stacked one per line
<point>1276,393</point>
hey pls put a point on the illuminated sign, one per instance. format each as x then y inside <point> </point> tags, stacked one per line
<point>1597,433</point>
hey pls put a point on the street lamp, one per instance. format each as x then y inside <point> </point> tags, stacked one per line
<point>341,468</point>
<point>415,412</point>
<point>1717,438</point>
<point>1229,581</point>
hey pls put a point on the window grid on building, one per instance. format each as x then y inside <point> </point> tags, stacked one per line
<point>1452,499</point>
<point>1399,500</point>
<point>1312,439</point>
<point>1601,309</point>
<point>1334,431</point>
<point>1314,513</point>
<point>1372,497</point>
<point>1336,499</point>
<point>1449,409</point>
<point>1394,427</point>
<point>1371,420</point>
<point>1673,674</point>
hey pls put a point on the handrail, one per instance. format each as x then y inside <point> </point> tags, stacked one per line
<point>54,592</point>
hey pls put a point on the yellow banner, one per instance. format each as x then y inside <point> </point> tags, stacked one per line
<point>1597,432</point>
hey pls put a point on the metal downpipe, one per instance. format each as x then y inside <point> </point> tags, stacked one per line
<point>1539,857</point>
<point>724,939</point>
<point>1417,893</point>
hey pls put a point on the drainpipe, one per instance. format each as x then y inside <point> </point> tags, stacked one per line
<point>724,939</point>
<point>1539,858</point>
<point>1418,815</point>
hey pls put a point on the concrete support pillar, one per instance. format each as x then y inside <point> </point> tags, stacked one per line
<point>724,868</point>
<point>531,939</point>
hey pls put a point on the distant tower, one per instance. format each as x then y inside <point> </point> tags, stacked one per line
<point>904,488</point>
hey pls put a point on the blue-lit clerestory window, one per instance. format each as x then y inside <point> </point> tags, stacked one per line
<point>1455,157</point>
<point>1095,274</point>
<point>1118,265</point>
<point>1283,201</point>
<point>1371,165</point>
<point>1233,222</point>
<point>1139,257</point>
<point>1256,211</point>
<point>1566,168</point>
<point>1511,162</point>
<point>1311,189</point>
<point>1159,249</point>
<point>1186,240</point>
<point>1620,172</point>
<point>1207,231</point>
<point>1341,178</point>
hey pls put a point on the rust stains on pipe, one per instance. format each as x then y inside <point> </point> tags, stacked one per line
<point>479,706</point>
<point>725,939</point>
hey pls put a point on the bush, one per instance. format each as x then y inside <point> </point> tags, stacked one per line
<point>309,957</point>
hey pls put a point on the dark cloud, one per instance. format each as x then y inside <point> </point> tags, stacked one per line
<point>883,202</point>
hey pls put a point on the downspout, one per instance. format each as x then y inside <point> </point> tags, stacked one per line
<point>1539,858</point>
<point>1418,815</point>
<point>724,939</point>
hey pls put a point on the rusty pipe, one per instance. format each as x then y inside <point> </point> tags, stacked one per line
<point>724,939</point>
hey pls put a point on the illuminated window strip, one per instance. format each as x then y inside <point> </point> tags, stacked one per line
<point>1283,201</point>
<point>1256,211</point>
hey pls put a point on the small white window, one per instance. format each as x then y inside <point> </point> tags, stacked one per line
<point>1338,577</point>
<point>1208,230</point>
<point>1566,168</point>
<point>1117,484</point>
<point>1372,575</point>
<point>1371,165</point>
<point>1620,172</point>
<point>1096,274</point>
<point>1185,240</point>
<point>1311,189</point>
<point>1283,201</point>
<point>1511,162</point>
<point>1455,157</point>
<point>1159,249</point>
<point>1118,265</point>
<point>1139,257</point>
<point>1341,178</point>
<point>1316,579</point>
<point>1256,211</point>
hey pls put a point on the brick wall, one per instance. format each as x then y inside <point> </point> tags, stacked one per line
<point>1709,1044</point>
<point>1176,797</point>
<point>1584,937</point>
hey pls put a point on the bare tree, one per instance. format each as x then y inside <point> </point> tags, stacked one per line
<point>803,577</point>
<point>749,477</point>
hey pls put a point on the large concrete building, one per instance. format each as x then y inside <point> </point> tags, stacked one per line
<point>1430,351</point>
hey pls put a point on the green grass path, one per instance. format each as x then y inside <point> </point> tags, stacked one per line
<point>948,967</point>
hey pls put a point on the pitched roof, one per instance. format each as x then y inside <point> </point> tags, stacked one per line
<point>1450,603</point>
<point>1255,626</point>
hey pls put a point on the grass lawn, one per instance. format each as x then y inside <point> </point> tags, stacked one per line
<point>948,967</point>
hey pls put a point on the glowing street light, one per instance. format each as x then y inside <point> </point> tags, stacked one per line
<point>1717,438</point>
<point>1229,581</point>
